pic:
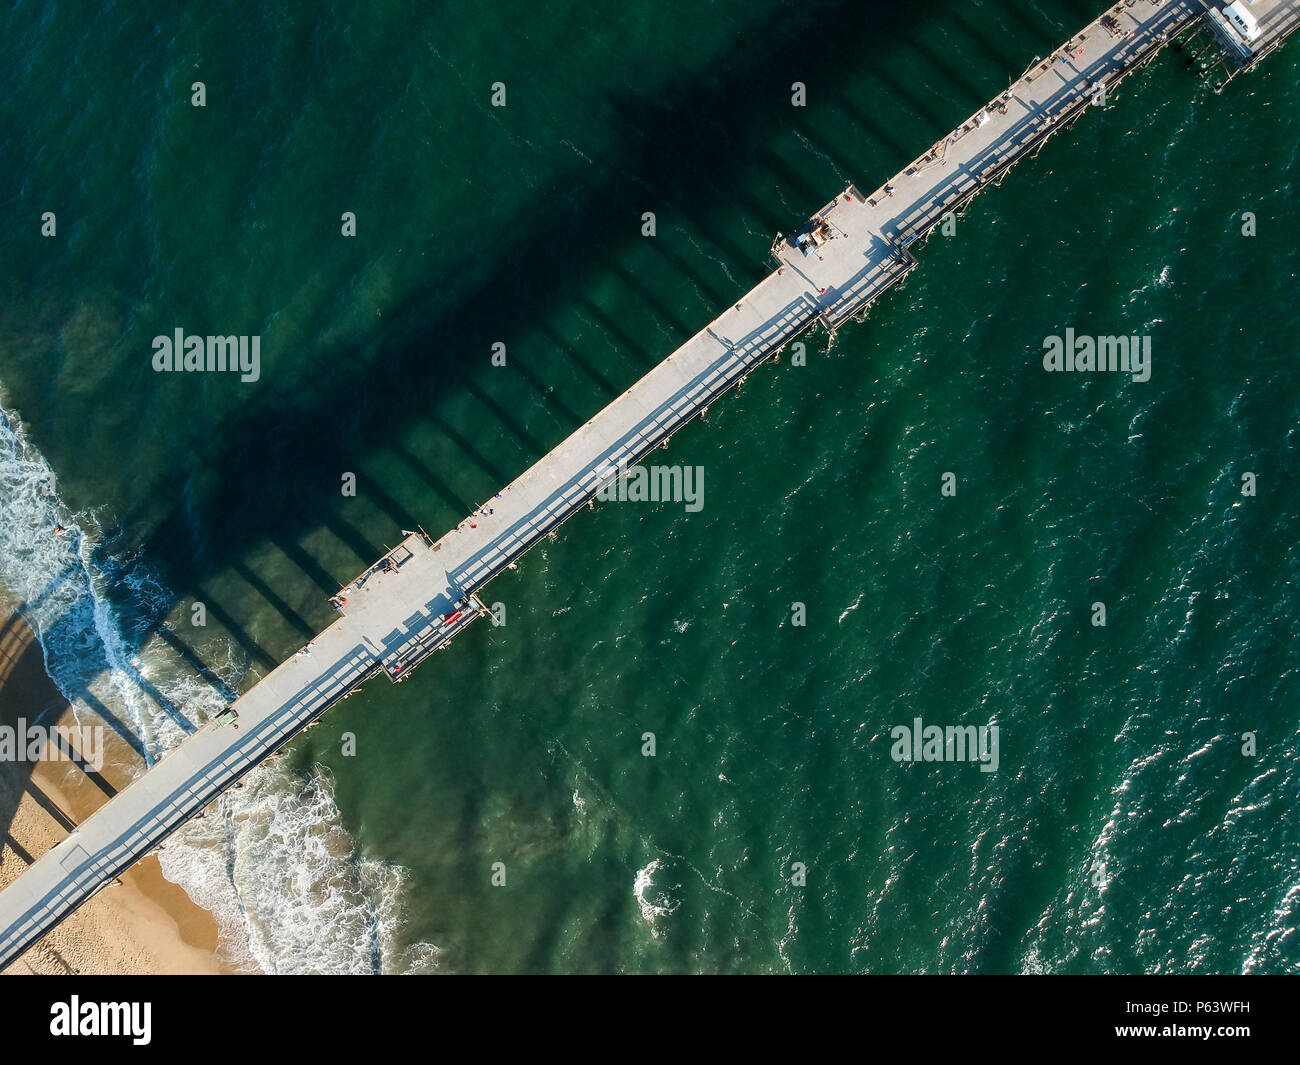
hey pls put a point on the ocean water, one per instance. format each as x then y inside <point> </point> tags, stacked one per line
<point>1124,830</point>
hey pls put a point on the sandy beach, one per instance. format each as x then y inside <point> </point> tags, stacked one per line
<point>142,923</point>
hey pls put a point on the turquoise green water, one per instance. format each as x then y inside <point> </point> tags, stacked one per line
<point>1123,831</point>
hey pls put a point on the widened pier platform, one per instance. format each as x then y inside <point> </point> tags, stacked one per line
<point>417,598</point>
<point>1246,32</point>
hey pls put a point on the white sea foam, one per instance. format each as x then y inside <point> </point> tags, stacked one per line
<point>273,864</point>
<point>1274,943</point>
<point>270,859</point>
<point>1032,963</point>
<point>652,911</point>
<point>849,610</point>
<point>791,934</point>
<point>56,582</point>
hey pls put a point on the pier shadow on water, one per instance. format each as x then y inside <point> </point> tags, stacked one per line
<point>361,410</point>
<point>400,378</point>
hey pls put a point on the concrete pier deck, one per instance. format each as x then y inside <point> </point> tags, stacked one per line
<point>415,600</point>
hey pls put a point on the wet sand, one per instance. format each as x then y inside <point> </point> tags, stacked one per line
<point>141,923</point>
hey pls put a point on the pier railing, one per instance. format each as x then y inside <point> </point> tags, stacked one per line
<point>639,441</point>
<point>89,873</point>
<point>1073,103</point>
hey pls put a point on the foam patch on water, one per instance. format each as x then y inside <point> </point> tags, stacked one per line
<point>1272,945</point>
<point>269,859</point>
<point>54,579</point>
<point>653,910</point>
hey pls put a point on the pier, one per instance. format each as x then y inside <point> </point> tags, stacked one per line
<point>417,598</point>
<point>1242,34</point>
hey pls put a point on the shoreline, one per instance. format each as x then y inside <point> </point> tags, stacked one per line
<point>140,924</point>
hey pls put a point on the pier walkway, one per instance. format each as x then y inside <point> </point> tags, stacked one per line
<point>417,598</point>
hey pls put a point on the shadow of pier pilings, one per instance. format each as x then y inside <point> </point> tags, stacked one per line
<point>638,440</point>
<point>295,454</point>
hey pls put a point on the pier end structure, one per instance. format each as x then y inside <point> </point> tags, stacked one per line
<point>1243,32</point>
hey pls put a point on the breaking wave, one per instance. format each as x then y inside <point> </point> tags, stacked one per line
<point>270,859</point>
